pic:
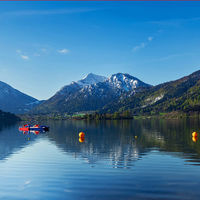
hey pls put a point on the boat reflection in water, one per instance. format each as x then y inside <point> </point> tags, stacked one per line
<point>34,132</point>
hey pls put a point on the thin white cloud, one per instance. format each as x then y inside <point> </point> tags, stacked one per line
<point>18,51</point>
<point>40,52</point>
<point>27,182</point>
<point>63,51</point>
<point>150,38</point>
<point>143,44</point>
<point>47,12</point>
<point>24,57</point>
<point>44,50</point>
<point>25,185</point>
<point>36,54</point>
<point>138,47</point>
<point>174,22</point>
<point>172,56</point>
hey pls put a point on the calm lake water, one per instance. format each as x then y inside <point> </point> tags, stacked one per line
<point>111,163</point>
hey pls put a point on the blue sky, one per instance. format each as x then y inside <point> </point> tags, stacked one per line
<point>46,45</point>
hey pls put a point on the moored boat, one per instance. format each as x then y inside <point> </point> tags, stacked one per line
<point>36,127</point>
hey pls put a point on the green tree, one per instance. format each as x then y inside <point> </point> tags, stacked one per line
<point>116,115</point>
<point>126,114</point>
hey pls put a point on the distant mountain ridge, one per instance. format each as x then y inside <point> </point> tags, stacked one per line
<point>179,95</point>
<point>120,92</point>
<point>14,101</point>
<point>91,93</point>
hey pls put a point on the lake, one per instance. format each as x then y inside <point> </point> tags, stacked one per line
<point>133,159</point>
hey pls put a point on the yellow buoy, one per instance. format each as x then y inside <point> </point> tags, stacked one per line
<point>194,139</point>
<point>194,134</point>
<point>81,135</point>
<point>81,139</point>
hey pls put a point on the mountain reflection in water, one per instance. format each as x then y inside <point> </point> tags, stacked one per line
<point>116,140</point>
<point>142,159</point>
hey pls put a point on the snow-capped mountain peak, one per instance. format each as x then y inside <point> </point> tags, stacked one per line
<point>87,81</point>
<point>124,81</point>
<point>91,79</point>
<point>92,93</point>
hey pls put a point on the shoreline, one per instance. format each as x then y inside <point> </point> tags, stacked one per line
<point>171,115</point>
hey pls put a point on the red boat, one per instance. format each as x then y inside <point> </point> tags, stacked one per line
<point>24,128</point>
<point>36,127</point>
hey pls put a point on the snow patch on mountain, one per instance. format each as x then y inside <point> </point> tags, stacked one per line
<point>91,79</point>
<point>152,100</point>
<point>125,82</point>
<point>85,83</point>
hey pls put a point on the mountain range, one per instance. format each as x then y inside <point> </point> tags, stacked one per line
<point>14,101</point>
<point>179,95</point>
<point>119,92</point>
<point>91,93</point>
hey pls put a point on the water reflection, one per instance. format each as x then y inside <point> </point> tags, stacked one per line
<point>81,139</point>
<point>122,142</point>
<point>103,141</point>
<point>11,140</point>
<point>32,132</point>
<point>142,159</point>
<point>119,143</point>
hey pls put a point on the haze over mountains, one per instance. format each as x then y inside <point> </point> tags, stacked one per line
<point>119,92</point>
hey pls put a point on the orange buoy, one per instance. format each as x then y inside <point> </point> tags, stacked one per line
<point>81,139</point>
<point>81,135</point>
<point>194,134</point>
<point>194,139</point>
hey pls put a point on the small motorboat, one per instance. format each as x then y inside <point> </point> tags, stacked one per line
<point>36,127</point>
